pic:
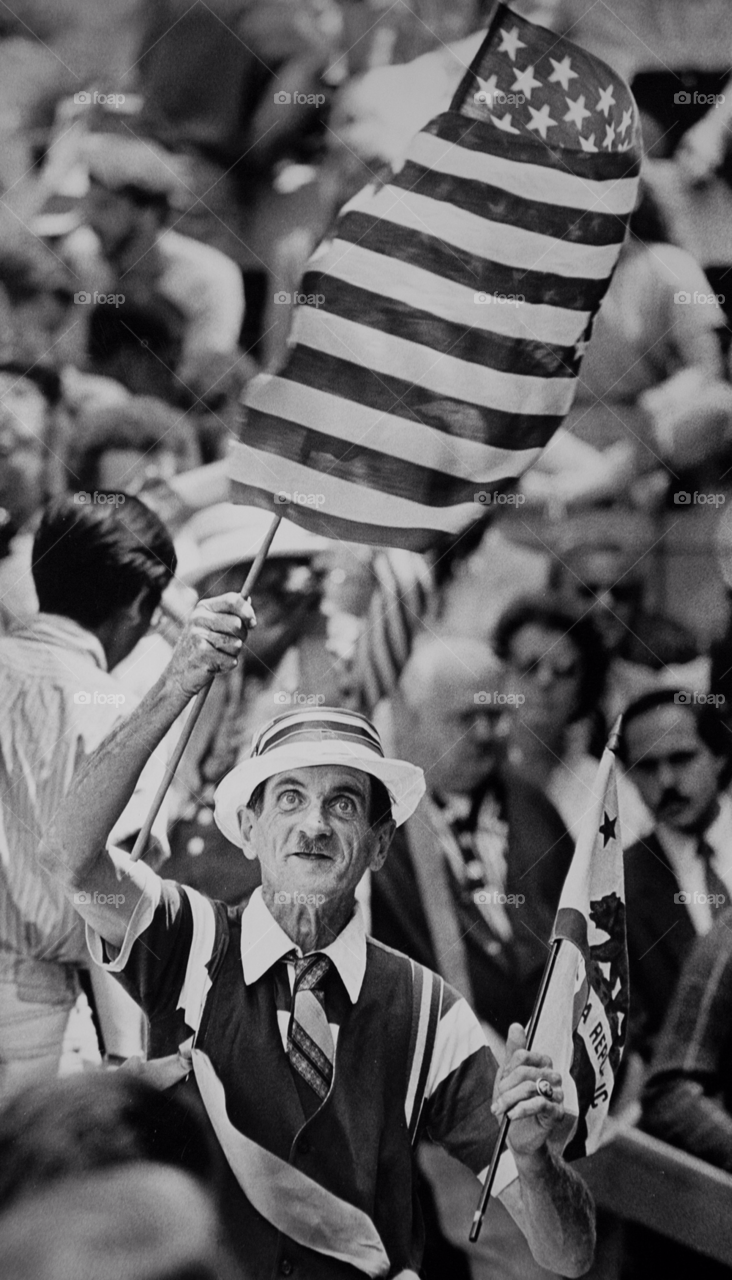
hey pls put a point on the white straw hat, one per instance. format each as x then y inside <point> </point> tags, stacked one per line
<point>314,736</point>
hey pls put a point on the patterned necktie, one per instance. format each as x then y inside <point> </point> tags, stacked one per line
<point>309,1040</point>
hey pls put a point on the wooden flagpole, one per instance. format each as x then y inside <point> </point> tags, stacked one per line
<point>190,724</point>
<point>503,1131</point>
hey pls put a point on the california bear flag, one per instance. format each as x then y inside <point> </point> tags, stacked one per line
<point>583,1017</point>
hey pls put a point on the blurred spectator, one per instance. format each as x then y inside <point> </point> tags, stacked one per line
<point>99,571</point>
<point>36,293</point>
<point>182,302</point>
<point>473,883</point>
<point>677,752</point>
<point>688,1095</point>
<point>127,446</point>
<point>138,1222</point>
<point>56,1129</point>
<point>556,662</point>
<point>601,567</point>
<point>657,320</point>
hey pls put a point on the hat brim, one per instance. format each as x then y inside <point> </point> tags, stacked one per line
<point>404,781</point>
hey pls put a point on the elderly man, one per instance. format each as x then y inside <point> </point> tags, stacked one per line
<point>318,1054</point>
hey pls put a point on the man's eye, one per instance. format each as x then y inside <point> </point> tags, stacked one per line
<point>344,805</point>
<point>289,799</point>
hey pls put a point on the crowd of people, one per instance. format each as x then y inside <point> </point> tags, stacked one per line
<point>199,1048</point>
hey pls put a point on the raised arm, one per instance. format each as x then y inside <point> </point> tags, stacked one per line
<point>550,1202</point>
<point>105,885</point>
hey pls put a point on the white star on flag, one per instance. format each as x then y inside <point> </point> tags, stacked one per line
<point>505,123</point>
<point>626,120</point>
<point>541,120</point>
<point>486,91</point>
<point>510,42</point>
<point>609,136</point>
<point>588,144</point>
<point>562,73</point>
<point>577,111</point>
<point>606,100</point>
<point>526,81</point>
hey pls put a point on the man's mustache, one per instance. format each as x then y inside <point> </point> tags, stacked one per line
<point>311,844</point>
<point>671,797</point>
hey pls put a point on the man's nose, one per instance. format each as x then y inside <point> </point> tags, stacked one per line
<point>315,821</point>
<point>666,777</point>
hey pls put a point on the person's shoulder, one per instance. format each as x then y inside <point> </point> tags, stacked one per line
<point>205,259</point>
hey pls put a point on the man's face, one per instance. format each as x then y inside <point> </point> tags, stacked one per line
<point>22,431</point>
<point>548,670</point>
<point>313,835</point>
<point>458,741</point>
<point>675,772</point>
<point>597,584</point>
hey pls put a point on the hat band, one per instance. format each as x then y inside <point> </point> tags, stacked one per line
<point>323,731</point>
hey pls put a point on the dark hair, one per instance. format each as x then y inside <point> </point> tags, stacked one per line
<point>533,610</point>
<point>58,1128</point>
<point>92,558</point>
<point>709,724</point>
<point>379,801</point>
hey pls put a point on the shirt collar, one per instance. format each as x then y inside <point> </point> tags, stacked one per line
<point>263,943</point>
<point>53,628</point>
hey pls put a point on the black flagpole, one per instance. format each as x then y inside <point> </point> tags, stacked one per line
<point>503,1131</point>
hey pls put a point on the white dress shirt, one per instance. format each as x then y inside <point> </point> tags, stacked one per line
<point>688,867</point>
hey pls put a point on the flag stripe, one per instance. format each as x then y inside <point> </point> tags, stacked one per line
<point>484,200</point>
<point>510,245</point>
<point>434,371</point>
<point>532,279</point>
<point>332,428</point>
<point>563,168</point>
<point>472,157</point>
<point>333,454</point>
<point>520,337</point>
<point>257,477</point>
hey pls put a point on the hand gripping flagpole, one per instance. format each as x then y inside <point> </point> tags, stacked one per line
<point>195,712</point>
<point>503,1131</point>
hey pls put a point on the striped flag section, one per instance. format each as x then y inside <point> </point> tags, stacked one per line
<point>440,331</point>
<point>583,1018</point>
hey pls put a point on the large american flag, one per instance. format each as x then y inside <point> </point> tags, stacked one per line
<point>440,332</point>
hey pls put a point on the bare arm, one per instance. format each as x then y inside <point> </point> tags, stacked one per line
<point>104,885</point>
<point>550,1202</point>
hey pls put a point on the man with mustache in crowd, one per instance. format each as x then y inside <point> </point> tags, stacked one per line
<point>677,751</point>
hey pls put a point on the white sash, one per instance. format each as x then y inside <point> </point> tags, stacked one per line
<point>287,1198</point>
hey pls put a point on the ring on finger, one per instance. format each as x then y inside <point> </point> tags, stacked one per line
<point>544,1090</point>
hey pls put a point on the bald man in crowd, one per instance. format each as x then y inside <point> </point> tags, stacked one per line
<point>473,880</point>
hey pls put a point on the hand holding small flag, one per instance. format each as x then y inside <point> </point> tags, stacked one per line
<point>529,1092</point>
